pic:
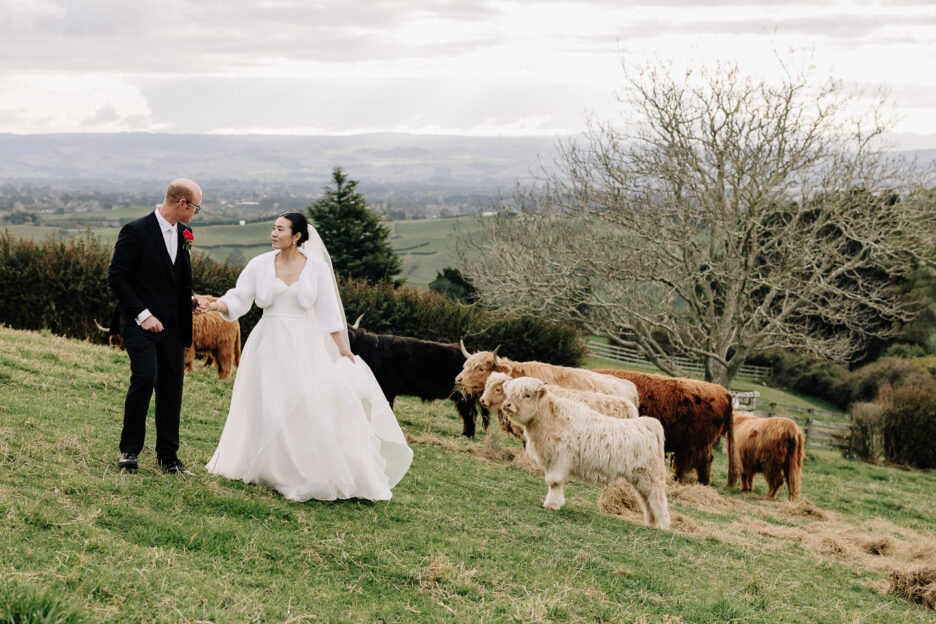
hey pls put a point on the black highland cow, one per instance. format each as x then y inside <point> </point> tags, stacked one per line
<point>420,368</point>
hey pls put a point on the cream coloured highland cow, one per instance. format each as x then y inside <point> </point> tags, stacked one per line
<point>478,366</point>
<point>569,438</point>
<point>605,404</point>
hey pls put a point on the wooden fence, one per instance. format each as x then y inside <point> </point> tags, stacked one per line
<point>823,429</point>
<point>629,355</point>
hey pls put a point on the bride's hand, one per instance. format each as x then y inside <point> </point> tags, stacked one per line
<point>347,353</point>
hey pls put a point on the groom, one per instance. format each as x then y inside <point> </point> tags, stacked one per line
<point>151,273</point>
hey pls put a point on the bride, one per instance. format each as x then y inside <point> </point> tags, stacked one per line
<point>307,418</point>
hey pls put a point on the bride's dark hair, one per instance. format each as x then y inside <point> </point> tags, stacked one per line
<point>299,225</point>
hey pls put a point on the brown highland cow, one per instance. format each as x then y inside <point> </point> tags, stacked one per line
<point>694,414</point>
<point>774,446</point>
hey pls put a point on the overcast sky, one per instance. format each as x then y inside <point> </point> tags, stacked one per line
<point>420,66</point>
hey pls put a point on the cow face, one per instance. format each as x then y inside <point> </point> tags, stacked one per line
<point>523,396</point>
<point>475,372</point>
<point>493,396</point>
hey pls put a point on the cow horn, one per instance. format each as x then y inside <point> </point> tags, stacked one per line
<point>464,350</point>
<point>357,322</point>
<point>101,327</point>
<point>494,353</point>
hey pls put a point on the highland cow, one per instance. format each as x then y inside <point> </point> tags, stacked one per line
<point>605,404</point>
<point>478,366</point>
<point>694,414</point>
<point>414,367</point>
<point>219,340</point>
<point>773,446</point>
<point>569,438</point>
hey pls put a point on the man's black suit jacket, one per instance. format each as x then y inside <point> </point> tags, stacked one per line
<point>144,277</point>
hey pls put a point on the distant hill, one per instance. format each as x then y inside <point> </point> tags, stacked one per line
<point>449,162</point>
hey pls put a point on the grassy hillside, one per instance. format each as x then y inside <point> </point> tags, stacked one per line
<point>464,539</point>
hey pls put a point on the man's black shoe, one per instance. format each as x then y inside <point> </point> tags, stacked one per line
<point>127,461</point>
<point>173,466</point>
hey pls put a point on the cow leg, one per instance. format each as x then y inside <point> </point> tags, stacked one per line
<point>640,483</point>
<point>747,481</point>
<point>466,410</point>
<point>774,478</point>
<point>654,493</point>
<point>555,499</point>
<point>189,358</point>
<point>225,361</point>
<point>703,466</point>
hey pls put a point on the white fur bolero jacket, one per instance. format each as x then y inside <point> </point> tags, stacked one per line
<point>316,290</point>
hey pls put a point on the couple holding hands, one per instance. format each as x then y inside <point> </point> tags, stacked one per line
<point>306,417</point>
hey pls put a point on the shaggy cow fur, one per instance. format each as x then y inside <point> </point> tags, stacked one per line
<point>605,404</point>
<point>480,365</point>
<point>774,446</point>
<point>414,367</point>
<point>218,340</point>
<point>694,414</point>
<point>569,438</point>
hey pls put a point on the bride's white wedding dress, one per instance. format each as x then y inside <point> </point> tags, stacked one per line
<point>301,421</point>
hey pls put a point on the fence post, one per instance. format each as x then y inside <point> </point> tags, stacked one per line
<point>772,409</point>
<point>809,425</point>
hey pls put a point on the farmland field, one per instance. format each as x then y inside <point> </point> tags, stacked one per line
<point>426,246</point>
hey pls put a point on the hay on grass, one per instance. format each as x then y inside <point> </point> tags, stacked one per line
<point>620,499</point>
<point>918,587</point>
<point>701,497</point>
<point>804,509</point>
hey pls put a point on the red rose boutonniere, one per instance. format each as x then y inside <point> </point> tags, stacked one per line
<point>187,239</point>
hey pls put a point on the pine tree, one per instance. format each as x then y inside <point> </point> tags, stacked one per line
<point>354,235</point>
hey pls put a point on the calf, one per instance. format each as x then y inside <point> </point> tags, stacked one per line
<point>569,438</point>
<point>414,367</point>
<point>219,340</point>
<point>774,446</point>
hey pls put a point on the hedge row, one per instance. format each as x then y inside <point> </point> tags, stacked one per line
<point>61,285</point>
<point>838,385</point>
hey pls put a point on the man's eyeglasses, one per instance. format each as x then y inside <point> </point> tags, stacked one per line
<point>197,207</point>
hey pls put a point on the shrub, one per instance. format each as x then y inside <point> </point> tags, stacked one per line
<point>866,436</point>
<point>904,350</point>
<point>57,284</point>
<point>865,383</point>
<point>909,424</point>
<point>406,311</point>
<point>61,285</point>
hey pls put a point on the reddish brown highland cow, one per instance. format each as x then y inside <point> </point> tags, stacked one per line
<point>774,446</point>
<point>694,415</point>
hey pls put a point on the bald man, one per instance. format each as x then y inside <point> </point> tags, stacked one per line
<point>151,273</point>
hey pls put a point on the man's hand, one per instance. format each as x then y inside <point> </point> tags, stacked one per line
<point>152,324</point>
<point>199,306</point>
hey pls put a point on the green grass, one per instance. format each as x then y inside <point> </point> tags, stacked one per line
<point>427,246</point>
<point>464,539</point>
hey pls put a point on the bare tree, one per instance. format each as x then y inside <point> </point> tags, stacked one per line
<point>733,215</point>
